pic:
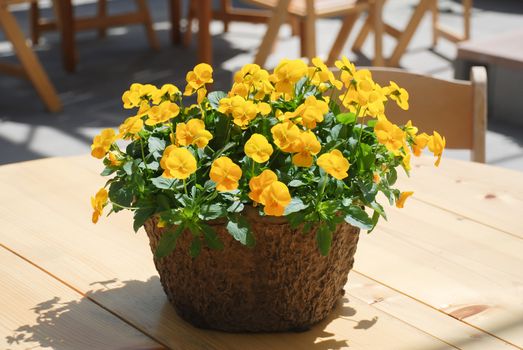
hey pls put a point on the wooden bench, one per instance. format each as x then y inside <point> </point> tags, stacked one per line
<point>503,56</point>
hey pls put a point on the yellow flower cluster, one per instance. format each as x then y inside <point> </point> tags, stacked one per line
<point>272,117</point>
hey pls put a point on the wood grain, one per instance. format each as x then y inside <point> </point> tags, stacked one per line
<point>114,267</point>
<point>421,316</point>
<point>486,194</point>
<point>38,311</point>
<point>469,271</point>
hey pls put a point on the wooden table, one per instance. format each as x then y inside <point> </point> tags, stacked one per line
<point>446,272</point>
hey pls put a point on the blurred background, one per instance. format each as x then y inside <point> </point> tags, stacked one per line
<point>90,96</point>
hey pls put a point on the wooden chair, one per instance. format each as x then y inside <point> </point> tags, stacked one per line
<point>307,11</point>
<point>30,66</point>
<point>405,36</point>
<point>68,25</point>
<point>228,13</point>
<point>455,108</point>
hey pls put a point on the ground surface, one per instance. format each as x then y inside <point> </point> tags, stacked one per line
<point>91,96</point>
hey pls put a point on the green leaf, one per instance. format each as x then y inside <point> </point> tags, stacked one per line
<point>107,171</point>
<point>151,166</point>
<point>212,211</point>
<point>295,219</point>
<point>239,228</point>
<point>156,144</point>
<point>372,122</point>
<point>294,206</point>
<point>356,216</point>
<point>392,176</point>
<point>163,202</point>
<point>296,183</point>
<point>162,182</point>
<point>196,247</point>
<point>215,97</point>
<point>324,239</point>
<point>120,195</point>
<point>211,238</point>
<point>335,131</point>
<point>128,167</point>
<point>140,216</point>
<point>368,189</point>
<point>366,158</point>
<point>346,118</point>
<point>236,207</point>
<point>375,219</point>
<point>167,242</point>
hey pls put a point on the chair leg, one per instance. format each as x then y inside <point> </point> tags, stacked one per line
<point>408,33</point>
<point>148,24</point>
<point>378,28</point>
<point>279,15</point>
<point>226,8</point>
<point>341,39</point>
<point>175,13</point>
<point>65,20</point>
<point>362,35</point>
<point>102,13</point>
<point>310,31</point>
<point>187,37</point>
<point>30,63</point>
<point>435,18</point>
<point>34,15</point>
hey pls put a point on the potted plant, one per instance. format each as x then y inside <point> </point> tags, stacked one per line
<point>253,199</point>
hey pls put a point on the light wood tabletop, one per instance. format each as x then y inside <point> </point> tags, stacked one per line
<point>445,272</point>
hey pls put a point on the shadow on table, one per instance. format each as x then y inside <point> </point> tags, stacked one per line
<point>131,300</point>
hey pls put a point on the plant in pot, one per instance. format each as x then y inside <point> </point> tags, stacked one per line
<point>253,199</point>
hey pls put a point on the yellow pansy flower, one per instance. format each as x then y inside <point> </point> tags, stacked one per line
<point>420,142</point>
<point>193,133</point>
<point>275,198</point>
<point>225,173</point>
<point>113,159</point>
<point>390,135</point>
<point>198,77</point>
<point>320,74</point>
<point>287,74</point>
<point>177,163</point>
<point>131,99</point>
<point>334,164</point>
<point>243,111</point>
<point>167,90</point>
<point>130,127</point>
<point>98,203</point>
<point>307,146</point>
<point>162,113</point>
<point>436,145</point>
<point>285,136</point>
<point>345,65</point>
<point>375,103</point>
<point>102,143</point>
<point>312,111</point>
<point>239,89</point>
<point>258,148</point>
<point>406,161</point>
<point>411,129</point>
<point>403,197</point>
<point>264,108</point>
<point>400,95</point>
<point>259,183</point>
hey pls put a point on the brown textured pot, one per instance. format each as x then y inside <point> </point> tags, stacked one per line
<point>283,283</point>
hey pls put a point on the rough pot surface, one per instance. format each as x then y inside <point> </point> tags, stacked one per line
<point>283,283</point>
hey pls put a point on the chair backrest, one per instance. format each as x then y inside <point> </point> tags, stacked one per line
<point>457,109</point>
